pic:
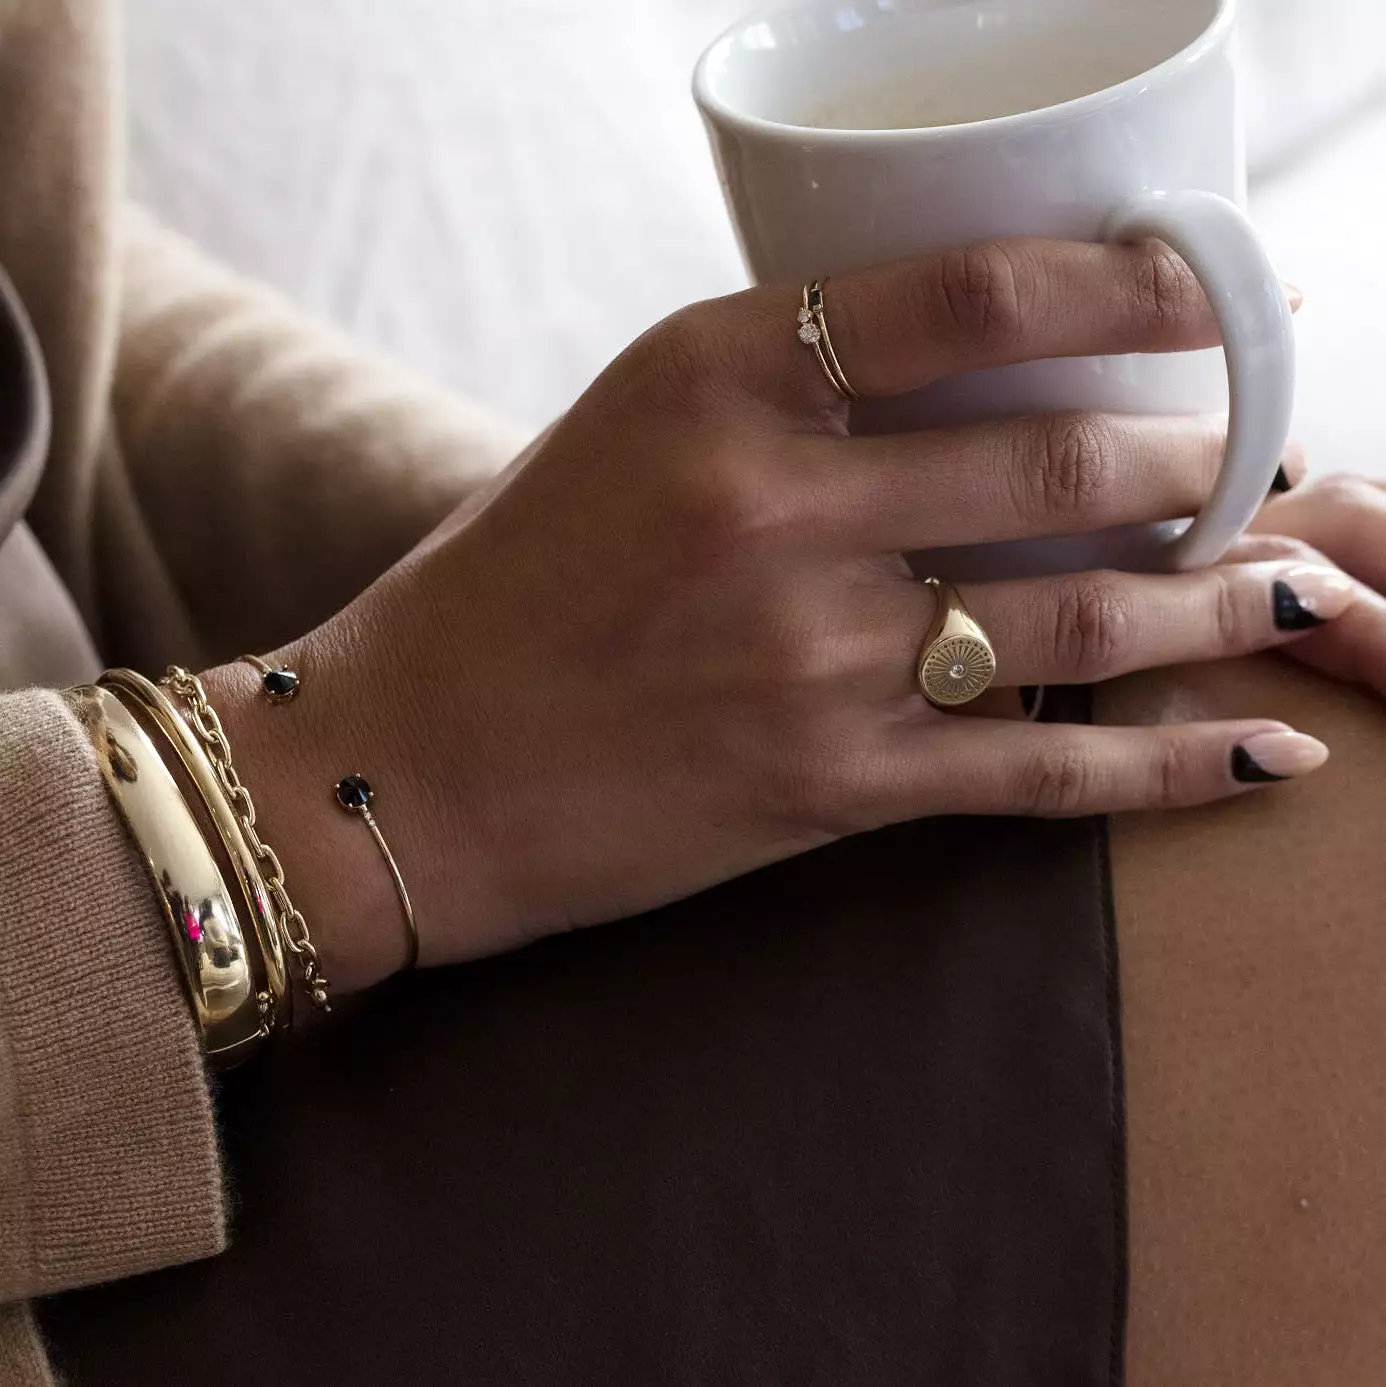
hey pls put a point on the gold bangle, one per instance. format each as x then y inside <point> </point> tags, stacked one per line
<point>293,928</point>
<point>212,951</point>
<point>149,698</point>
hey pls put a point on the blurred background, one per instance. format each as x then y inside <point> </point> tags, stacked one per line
<point>504,195</point>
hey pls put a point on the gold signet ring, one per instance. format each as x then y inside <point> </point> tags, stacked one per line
<point>957,663</point>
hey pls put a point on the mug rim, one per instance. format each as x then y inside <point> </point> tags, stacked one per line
<point>718,110</point>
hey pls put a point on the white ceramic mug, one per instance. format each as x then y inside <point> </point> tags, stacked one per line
<point>849,133</point>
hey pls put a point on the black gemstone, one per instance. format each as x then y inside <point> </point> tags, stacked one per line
<point>281,683</point>
<point>354,792</point>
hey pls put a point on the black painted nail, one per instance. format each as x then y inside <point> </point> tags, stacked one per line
<point>1281,483</point>
<point>1290,613</point>
<point>1248,771</point>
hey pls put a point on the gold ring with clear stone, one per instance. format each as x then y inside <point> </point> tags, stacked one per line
<point>957,662</point>
<point>813,332</point>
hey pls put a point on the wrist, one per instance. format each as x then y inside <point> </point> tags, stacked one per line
<point>290,757</point>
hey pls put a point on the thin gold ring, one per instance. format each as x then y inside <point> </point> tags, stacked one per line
<point>957,662</point>
<point>813,332</point>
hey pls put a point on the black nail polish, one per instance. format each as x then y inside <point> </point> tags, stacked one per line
<point>1247,771</point>
<point>1281,483</point>
<point>1029,699</point>
<point>1290,613</point>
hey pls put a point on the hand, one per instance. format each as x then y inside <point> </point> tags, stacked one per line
<point>679,642</point>
<point>1343,519</point>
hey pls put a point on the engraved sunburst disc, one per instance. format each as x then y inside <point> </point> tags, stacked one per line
<point>956,670</point>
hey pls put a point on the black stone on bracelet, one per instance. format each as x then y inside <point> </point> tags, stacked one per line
<point>279,684</point>
<point>354,792</point>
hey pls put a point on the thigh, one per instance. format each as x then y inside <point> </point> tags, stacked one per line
<point>1253,963</point>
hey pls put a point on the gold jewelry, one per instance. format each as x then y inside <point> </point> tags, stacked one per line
<point>293,929</point>
<point>155,704</point>
<point>354,794</point>
<point>213,953</point>
<point>957,663</point>
<point>813,332</point>
<point>279,684</point>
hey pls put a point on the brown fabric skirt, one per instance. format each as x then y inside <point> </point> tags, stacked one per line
<point>854,1121</point>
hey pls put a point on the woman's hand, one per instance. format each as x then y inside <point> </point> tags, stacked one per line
<point>1342,518</point>
<point>680,641</point>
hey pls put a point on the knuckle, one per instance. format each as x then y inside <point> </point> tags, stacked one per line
<point>1231,618</point>
<point>678,358</point>
<point>730,506</point>
<point>974,293</point>
<point>1172,770</point>
<point>1075,461</point>
<point>1092,627</point>
<point>1056,783</point>
<point>1167,290</point>
<point>1347,492</point>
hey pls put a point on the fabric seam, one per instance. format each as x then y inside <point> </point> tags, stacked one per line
<point>1121,1275</point>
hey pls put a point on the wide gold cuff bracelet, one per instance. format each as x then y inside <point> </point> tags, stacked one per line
<point>135,689</point>
<point>197,904</point>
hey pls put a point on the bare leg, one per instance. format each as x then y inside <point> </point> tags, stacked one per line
<point>1253,939</point>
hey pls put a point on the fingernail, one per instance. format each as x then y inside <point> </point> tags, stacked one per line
<point>1295,295</point>
<point>1293,469</point>
<point>1309,597</point>
<point>1273,756</point>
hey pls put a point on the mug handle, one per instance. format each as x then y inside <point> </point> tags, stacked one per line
<point>1217,241</point>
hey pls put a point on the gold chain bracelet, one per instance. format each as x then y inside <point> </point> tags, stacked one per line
<point>293,927</point>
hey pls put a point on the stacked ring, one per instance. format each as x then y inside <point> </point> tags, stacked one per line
<point>813,332</point>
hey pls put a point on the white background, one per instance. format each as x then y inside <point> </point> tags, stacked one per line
<point>506,193</point>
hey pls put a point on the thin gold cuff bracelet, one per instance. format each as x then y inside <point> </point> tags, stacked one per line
<point>354,793</point>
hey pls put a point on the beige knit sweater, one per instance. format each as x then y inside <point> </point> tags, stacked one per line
<point>196,424</point>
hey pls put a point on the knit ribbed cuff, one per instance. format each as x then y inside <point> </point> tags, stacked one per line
<point>108,1159</point>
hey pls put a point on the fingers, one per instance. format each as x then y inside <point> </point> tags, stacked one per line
<point>1344,517</point>
<point>1012,479</point>
<point>1353,648</point>
<point>965,766</point>
<point>902,326</point>
<point>1091,627</point>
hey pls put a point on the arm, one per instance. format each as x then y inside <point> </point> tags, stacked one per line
<point>281,468</point>
<point>108,1159</point>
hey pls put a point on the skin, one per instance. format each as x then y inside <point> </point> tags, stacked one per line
<point>676,641</point>
<point>1252,953</point>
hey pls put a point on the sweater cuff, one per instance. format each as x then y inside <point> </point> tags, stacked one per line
<point>108,1158</point>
